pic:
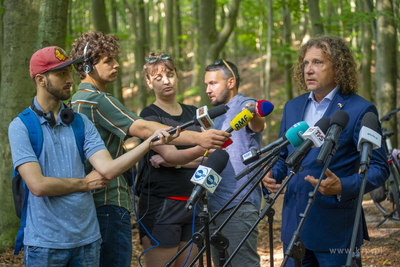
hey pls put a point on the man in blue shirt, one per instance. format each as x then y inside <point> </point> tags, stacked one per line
<point>61,224</point>
<point>222,81</point>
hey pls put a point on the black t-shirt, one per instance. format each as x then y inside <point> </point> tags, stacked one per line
<point>164,181</point>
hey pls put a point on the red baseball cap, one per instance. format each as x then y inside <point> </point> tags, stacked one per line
<point>49,58</point>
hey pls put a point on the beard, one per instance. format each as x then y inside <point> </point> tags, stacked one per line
<point>58,93</point>
<point>223,97</point>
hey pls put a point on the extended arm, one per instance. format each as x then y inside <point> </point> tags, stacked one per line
<point>208,139</point>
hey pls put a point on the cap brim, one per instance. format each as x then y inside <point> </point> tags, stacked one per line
<point>67,63</point>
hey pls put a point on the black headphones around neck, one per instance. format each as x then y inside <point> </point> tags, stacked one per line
<point>87,65</point>
<point>67,114</point>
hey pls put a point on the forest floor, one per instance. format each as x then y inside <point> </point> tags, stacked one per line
<point>381,250</point>
<point>384,244</point>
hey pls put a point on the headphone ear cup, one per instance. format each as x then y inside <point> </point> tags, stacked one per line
<point>87,66</point>
<point>49,116</point>
<point>67,116</point>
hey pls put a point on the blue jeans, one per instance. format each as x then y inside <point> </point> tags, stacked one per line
<point>85,256</point>
<point>116,232</point>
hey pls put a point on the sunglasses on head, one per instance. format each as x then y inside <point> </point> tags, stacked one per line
<point>220,61</point>
<point>155,58</point>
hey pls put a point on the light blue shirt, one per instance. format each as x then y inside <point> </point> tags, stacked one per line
<point>59,222</point>
<point>314,110</point>
<point>243,141</point>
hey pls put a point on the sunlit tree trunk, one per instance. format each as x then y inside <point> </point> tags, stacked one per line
<point>287,25</point>
<point>140,53</point>
<point>157,27</point>
<point>386,69</point>
<point>17,91</point>
<point>268,69</point>
<point>260,42</point>
<point>177,47</point>
<point>195,37</point>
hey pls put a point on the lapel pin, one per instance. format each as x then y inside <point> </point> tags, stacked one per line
<point>339,105</point>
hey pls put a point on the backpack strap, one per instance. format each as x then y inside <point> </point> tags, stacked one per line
<point>36,138</point>
<point>79,131</point>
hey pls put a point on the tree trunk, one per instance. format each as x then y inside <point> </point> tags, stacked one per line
<point>287,25</point>
<point>366,58</point>
<point>157,24</point>
<point>212,41</point>
<point>178,54</point>
<point>386,70</point>
<point>100,20</point>
<point>17,92</point>
<point>117,85</point>
<point>52,17</point>
<point>260,42</point>
<point>315,16</point>
<point>168,26</point>
<point>140,54</point>
<point>1,35</point>
<point>195,37</point>
<point>268,70</point>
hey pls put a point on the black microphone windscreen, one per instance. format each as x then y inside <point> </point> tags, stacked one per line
<point>323,124</point>
<point>218,160</point>
<point>217,111</point>
<point>370,120</point>
<point>340,118</point>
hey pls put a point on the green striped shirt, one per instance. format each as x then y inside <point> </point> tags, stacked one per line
<point>112,119</point>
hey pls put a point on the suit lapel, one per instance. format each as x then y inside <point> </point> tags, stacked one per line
<point>301,108</point>
<point>338,102</point>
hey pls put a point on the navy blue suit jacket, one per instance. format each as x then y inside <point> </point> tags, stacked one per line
<point>329,224</point>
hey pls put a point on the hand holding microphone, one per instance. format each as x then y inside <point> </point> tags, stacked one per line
<point>203,117</point>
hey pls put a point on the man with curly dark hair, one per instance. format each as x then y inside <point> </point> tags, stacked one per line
<point>326,68</point>
<point>115,123</point>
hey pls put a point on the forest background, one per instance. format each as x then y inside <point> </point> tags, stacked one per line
<point>260,36</point>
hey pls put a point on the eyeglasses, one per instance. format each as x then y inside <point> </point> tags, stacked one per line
<point>219,61</point>
<point>155,58</point>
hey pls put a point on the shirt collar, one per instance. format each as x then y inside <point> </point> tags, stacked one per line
<point>234,99</point>
<point>88,86</point>
<point>328,96</point>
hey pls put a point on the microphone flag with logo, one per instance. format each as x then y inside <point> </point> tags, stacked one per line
<point>369,138</point>
<point>207,177</point>
<point>314,137</point>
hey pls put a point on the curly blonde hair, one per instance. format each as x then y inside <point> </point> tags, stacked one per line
<point>339,53</point>
<point>100,44</point>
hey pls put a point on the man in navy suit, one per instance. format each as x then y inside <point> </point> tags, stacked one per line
<point>326,68</point>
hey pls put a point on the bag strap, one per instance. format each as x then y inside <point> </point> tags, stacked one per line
<point>79,131</point>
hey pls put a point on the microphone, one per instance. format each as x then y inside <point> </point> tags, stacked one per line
<point>292,136</point>
<point>262,108</point>
<point>203,117</point>
<point>314,137</point>
<point>207,177</point>
<point>339,121</point>
<point>369,139</point>
<point>240,120</point>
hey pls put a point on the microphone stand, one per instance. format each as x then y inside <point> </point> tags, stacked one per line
<point>265,158</point>
<point>267,211</point>
<point>355,255</point>
<point>296,248</point>
<point>198,238</point>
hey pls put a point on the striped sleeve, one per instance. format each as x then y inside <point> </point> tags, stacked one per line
<point>114,116</point>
